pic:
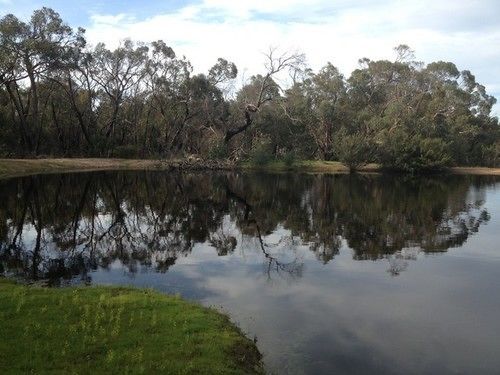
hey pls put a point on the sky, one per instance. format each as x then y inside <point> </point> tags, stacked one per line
<point>466,32</point>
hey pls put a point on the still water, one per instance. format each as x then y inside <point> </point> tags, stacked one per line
<point>329,273</point>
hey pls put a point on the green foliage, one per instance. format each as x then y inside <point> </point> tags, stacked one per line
<point>116,330</point>
<point>413,153</point>
<point>491,154</point>
<point>289,158</point>
<point>217,150</point>
<point>59,96</point>
<point>354,150</point>
<point>261,153</point>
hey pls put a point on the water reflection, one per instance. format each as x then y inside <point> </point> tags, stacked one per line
<point>332,274</point>
<point>58,227</point>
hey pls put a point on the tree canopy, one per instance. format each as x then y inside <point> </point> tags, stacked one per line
<point>61,97</point>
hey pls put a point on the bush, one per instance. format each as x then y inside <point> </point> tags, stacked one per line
<point>125,152</point>
<point>289,158</point>
<point>261,153</point>
<point>354,150</point>
<point>414,153</point>
<point>491,155</point>
<point>218,150</point>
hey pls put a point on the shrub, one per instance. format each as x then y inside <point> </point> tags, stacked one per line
<point>413,153</point>
<point>261,153</point>
<point>354,150</point>
<point>289,158</point>
<point>217,150</point>
<point>491,155</point>
<point>125,152</point>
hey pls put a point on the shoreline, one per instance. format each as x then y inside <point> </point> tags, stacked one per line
<point>23,167</point>
<point>108,328</point>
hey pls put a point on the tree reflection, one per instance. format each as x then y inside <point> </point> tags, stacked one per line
<point>64,226</point>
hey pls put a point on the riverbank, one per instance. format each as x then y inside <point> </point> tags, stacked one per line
<point>116,330</point>
<point>23,167</point>
<point>309,166</point>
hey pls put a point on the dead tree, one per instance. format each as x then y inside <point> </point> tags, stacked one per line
<point>274,65</point>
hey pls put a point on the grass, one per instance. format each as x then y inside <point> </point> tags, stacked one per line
<point>23,167</point>
<point>111,330</point>
<point>314,166</point>
<point>322,166</point>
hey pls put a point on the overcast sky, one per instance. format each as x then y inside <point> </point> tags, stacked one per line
<point>466,32</point>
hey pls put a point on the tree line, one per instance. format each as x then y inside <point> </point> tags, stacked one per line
<point>62,97</point>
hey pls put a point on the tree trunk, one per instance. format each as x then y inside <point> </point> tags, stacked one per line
<point>23,124</point>
<point>233,132</point>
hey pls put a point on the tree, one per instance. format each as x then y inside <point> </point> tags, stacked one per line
<point>117,74</point>
<point>165,77</point>
<point>60,97</point>
<point>327,94</point>
<point>266,88</point>
<point>28,52</point>
<point>354,150</point>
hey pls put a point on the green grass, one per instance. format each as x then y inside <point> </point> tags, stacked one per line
<point>320,166</point>
<point>89,330</point>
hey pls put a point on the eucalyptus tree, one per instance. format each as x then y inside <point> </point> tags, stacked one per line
<point>319,103</point>
<point>118,74</point>
<point>384,97</point>
<point>256,136</point>
<point>76,80</point>
<point>266,90</point>
<point>60,97</point>
<point>459,110</point>
<point>29,51</point>
<point>164,76</point>
<point>326,93</point>
<point>222,72</point>
<point>205,107</point>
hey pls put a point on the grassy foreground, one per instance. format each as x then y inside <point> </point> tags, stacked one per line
<point>116,330</point>
<point>23,167</point>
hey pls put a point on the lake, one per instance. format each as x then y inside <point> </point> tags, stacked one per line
<point>355,274</point>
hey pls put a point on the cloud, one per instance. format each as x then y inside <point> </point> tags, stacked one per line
<point>110,20</point>
<point>463,32</point>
